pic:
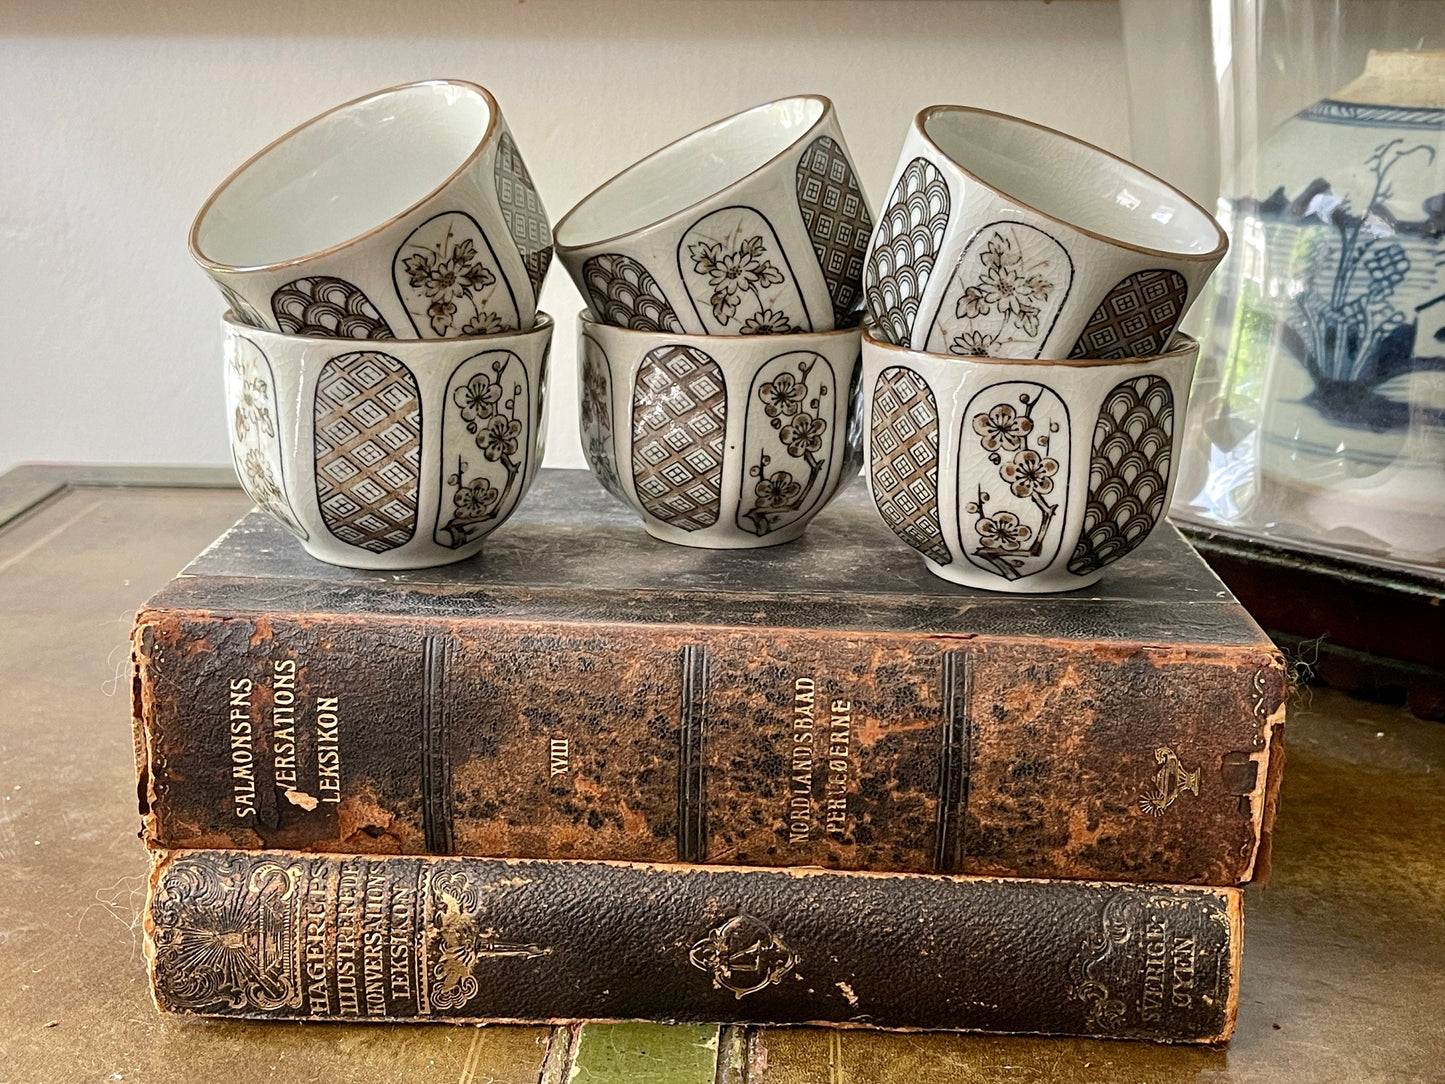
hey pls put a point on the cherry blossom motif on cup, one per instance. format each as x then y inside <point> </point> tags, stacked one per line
<point>1018,528</point>
<point>796,392</point>
<point>488,411</point>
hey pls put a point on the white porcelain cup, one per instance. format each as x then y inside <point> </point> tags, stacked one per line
<point>406,214</point>
<point>1023,476</point>
<point>753,225</point>
<point>1003,238</point>
<point>388,455</point>
<point>721,442</point>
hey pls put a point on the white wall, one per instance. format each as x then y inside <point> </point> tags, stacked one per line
<point>119,118</point>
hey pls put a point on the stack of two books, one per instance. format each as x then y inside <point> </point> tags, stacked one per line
<point>587,776</point>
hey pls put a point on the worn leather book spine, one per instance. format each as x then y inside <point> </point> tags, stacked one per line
<point>883,751</point>
<point>285,935</point>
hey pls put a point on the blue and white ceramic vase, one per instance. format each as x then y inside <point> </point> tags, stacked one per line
<point>1337,319</point>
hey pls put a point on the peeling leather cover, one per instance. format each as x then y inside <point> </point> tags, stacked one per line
<point>580,690</point>
<point>294,936</point>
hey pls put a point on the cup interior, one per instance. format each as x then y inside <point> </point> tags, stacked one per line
<point>693,168</point>
<point>1073,181</point>
<point>342,174</point>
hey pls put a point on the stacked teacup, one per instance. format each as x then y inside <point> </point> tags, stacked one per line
<point>1024,382</point>
<point>385,359</point>
<point>719,353</point>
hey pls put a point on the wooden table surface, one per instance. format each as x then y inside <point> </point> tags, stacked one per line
<point>1344,967</point>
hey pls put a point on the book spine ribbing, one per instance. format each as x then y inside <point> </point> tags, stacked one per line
<point>284,935</point>
<point>904,752</point>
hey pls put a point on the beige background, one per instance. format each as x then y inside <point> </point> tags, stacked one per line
<point>119,118</point>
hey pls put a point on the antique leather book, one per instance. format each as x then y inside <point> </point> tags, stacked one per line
<point>580,690</point>
<point>281,935</point>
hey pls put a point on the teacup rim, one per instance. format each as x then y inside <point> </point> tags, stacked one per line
<point>1180,344</point>
<point>494,121</point>
<point>587,320</point>
<point>641,231</point>
<point>1222,238</point>
<point>544,324</point>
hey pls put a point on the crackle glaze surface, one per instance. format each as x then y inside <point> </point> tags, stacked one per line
<point>398,454</point>
<point>1023,477</point>
<point>778,250</point>
<point>720,441</point>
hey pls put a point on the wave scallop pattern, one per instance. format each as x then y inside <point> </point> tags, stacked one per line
<point>903,441</point>
<point>368,450</point>
<point>1128,472</point>
<point>623,293</point>
<point>328,308</point>
<point>905,247</point>
<point>679,431</point>
<point>836,216</point>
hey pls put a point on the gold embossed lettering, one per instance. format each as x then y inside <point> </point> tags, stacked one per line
<point>800,783</point>
<point>373,943</point>
<point>347,894</point>
<point>840,737</point>
<point>328,748</point>
<point>1156,949</point>
<point>243,775</point>
<point>1181,959</point>
<point>402,899</point>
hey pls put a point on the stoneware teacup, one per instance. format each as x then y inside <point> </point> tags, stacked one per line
<point>723,442</point>
<point>402,454</point>
<point>1003,238</point>
<point>1023,476</point>
<point>753,225</point>
<point>406,214</point>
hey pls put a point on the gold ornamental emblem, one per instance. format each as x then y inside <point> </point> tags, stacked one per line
<point>1170,781</point>
<point>743,955</point>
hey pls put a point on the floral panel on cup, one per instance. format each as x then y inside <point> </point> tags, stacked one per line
<point>738,276</point>
<point>486,433</point>
<point>599,443</point>
<point>1013,470</point>
<point>1005,295</point>
<point>788,443</point>
<point>449,281</point>
<point>256,433</point>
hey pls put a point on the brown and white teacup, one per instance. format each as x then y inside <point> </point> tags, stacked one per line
<point>405,214</point>
<point>1002,238</point>
<point>388,455</point>
<point>753,225</point>
<point>1023,476</point>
